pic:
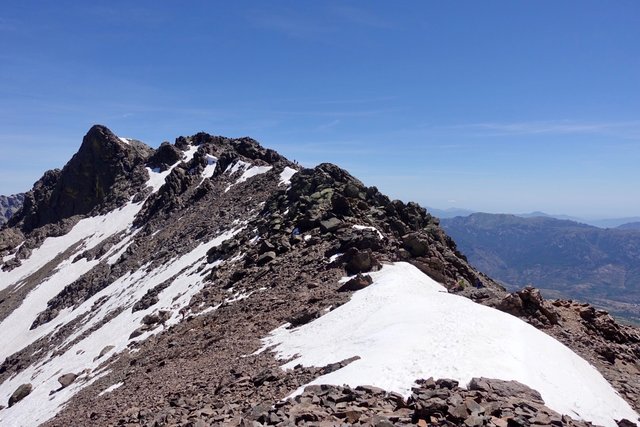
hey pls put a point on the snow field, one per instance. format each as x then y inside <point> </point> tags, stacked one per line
<point>406,326</point>
<point>81,357</point>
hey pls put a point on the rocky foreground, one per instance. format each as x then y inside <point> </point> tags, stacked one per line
<point>187,356</point>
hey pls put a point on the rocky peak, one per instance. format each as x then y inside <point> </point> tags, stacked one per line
<point>104,173</point>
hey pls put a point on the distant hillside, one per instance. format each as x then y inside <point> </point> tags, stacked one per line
<point>630,226</point>
<point>565,258</point>
<point>613,222</point>
<point>9,205</point>
<point>633,221</point>
<point>449,213</point>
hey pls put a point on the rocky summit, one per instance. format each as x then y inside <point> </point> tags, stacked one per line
<point>214,282</point>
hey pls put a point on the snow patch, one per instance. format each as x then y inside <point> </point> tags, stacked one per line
<point>189,153</point>
<point>253,171</point>
<point>406,326</point>
<point>286,174</point>
<point>248,169</point>
<point>236,166</point>
<point>210,168</point>
<point>125,140</point>
<point>334,257</point>
<point>110,389</point>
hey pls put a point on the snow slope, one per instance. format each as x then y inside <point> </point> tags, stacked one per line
<point>406,326</point>
<point>80,354</point>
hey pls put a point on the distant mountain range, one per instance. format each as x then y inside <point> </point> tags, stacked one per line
<point>630,226</point>
<point>562,257</point>
<point>625,222</point>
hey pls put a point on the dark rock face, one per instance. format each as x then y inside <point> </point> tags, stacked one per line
<point>164,156</point>
<point>104,173</point>
<point>9,205</point>
<point>21,392</point>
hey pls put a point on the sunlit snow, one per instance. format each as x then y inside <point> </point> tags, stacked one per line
<point>248,169</point>
<point>186,281</point>
<point>406,326</point>
<point>110,388</point>
<point>286,174</point>
<point>211,166</point>
<point>253,171</point>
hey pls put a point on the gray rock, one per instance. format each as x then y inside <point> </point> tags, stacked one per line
<point>266,258</point>
<point>330,225</point>
<point>415,244</point>
<point>505,389</point>
<point>104,351</point>
<point>21,392</point>
<point>66,379</point>
<point>359,261</point>
<point>356,283</point>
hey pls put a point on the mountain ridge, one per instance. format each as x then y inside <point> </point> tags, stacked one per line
<point>595,222</point>
<point>216,243</point>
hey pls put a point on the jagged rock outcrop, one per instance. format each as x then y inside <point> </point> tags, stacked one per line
<point>104,173</point>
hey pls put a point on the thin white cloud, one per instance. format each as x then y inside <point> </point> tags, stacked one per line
<point>628,129</point>
<point>327,126</point>
<point>289,23</point>
<point>362,17</point>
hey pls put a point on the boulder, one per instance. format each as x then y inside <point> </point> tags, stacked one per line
<point>266,258</point>
<point>302,317</point>
<point>505,389</point>
<point>416,244</point>
<point>356,283</point>
<point>358,261</point>
<point>528,303</point>
<point>104,351</point>
<point>67,379</point>
<point>165,156</point>
<point>21,392</point>
<point>330,225</point>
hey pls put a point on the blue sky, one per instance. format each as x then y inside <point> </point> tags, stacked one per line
<point>498,106</point>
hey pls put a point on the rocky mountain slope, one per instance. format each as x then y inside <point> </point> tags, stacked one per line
<point>172,286</point>
<point>564,258</point>
<point>10,205</point>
